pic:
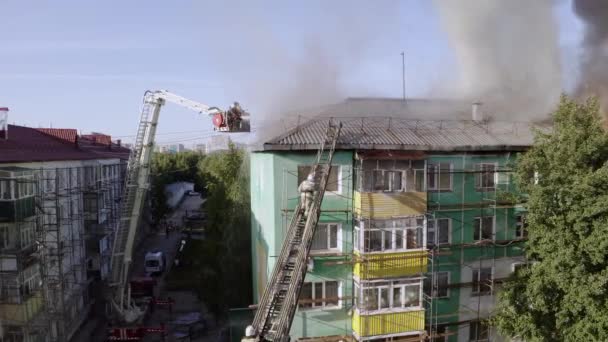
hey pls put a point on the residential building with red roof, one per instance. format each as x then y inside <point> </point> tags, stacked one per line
<point>59,205</point>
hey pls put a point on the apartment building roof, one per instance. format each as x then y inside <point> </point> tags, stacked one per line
<point>387,124</point>
<point>26,144</point>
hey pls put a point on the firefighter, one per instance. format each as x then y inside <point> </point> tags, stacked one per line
<point>307,189</point>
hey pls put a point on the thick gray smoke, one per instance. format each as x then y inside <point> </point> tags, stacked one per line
<point>282,63</point>
<point>594,64</point>
<point>507,53</point>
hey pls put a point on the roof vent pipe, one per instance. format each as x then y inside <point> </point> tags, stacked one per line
<point>4,123</point>
<point>476,111</point>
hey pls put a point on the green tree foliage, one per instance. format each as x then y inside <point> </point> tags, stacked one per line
<point>226,277</point>
<point>168,168</point>
<point>563,296</point>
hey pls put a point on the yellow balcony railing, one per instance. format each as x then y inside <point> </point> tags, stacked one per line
<point>380,205</point>
<point>21,313</point>
<point>388,265</point>
<point>387,323</point>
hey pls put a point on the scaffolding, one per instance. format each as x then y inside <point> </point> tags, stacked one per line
<point>20,293</point>
<point>51,222</point>
<point>476,257</point>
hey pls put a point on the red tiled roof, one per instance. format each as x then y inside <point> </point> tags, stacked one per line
<point>98,138</point>
<point>25,144</point>
<point>67,134</point>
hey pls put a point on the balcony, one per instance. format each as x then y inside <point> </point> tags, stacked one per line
<point>16,194</point>
<point>390,188</point>
<point>378,205</point>
<point>23,312</point>
<point>391,323</point>
<point>388,265</point>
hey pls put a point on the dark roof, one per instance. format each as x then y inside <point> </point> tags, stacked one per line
<point>392,124</point>
<point>25,144</point>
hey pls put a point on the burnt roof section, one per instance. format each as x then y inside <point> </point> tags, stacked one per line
<point>25,144</point>
<point>415,125</point>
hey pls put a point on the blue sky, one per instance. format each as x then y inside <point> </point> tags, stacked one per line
<point>86,64</point>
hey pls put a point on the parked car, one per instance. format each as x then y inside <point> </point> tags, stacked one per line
<point>155,262</point>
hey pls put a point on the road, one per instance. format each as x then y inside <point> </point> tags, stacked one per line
<point>163,242</point>
<point>167,243</point>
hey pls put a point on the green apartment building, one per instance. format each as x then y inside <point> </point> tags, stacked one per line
<point>417,229</point>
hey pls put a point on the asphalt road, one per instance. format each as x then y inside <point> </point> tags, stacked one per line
<point>163,242</point>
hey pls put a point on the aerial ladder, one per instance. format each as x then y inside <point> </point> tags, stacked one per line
<point>136,186</point>
<point>279,302</point>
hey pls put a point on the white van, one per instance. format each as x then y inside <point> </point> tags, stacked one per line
<point>155,262</point>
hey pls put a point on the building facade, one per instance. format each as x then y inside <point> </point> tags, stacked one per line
<point>58,209</point>
<point>418,228</point>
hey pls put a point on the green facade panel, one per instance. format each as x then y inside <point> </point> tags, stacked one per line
<point>274,183</point>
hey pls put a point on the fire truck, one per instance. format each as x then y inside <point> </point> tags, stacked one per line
<point>127,313</point>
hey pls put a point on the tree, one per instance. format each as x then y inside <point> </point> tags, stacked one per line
<point>168,168</point>
<point>226,178</point>
<point>563,294</point>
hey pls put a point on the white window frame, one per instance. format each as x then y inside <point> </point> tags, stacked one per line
<point>436,231</point>
<point>327,192</point>
<point>479,174</point>
<point>322,305</point>
<point>480,218</point>
<point>436,176</point>
<point>397,231</point>
<point>389,285</point>
<point>478,292</point>
<point>339,241</point>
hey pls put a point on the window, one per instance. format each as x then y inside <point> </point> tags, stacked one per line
<point>485,176</point>
<point>324,294</point>
<point>333,181</point>
<point>90,204</point>
<point>479,331</point>
<point>441,286</point>
<point>482,281</point>
<point>483,228</point>
<point>5,190</point>
<point>520,227</point>
<point>390,175</point>
<point>5,241</point>
<point>326,237</point>
<point>440,176</point>
<point>386,295</point>
<point>438,231</point>
<point>27,235</point>
<point>391,235</point>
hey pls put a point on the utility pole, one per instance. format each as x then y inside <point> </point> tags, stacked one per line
<point>403,72</point>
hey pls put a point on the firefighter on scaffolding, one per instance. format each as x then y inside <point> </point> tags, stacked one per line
<point>307,191</point>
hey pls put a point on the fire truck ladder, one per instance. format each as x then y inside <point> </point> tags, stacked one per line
<point>138,170</point>
<point>278,305</point>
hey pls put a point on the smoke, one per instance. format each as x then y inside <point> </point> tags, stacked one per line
<point>594,61</point>
<point>282,56</point>
<point>507,53</point>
